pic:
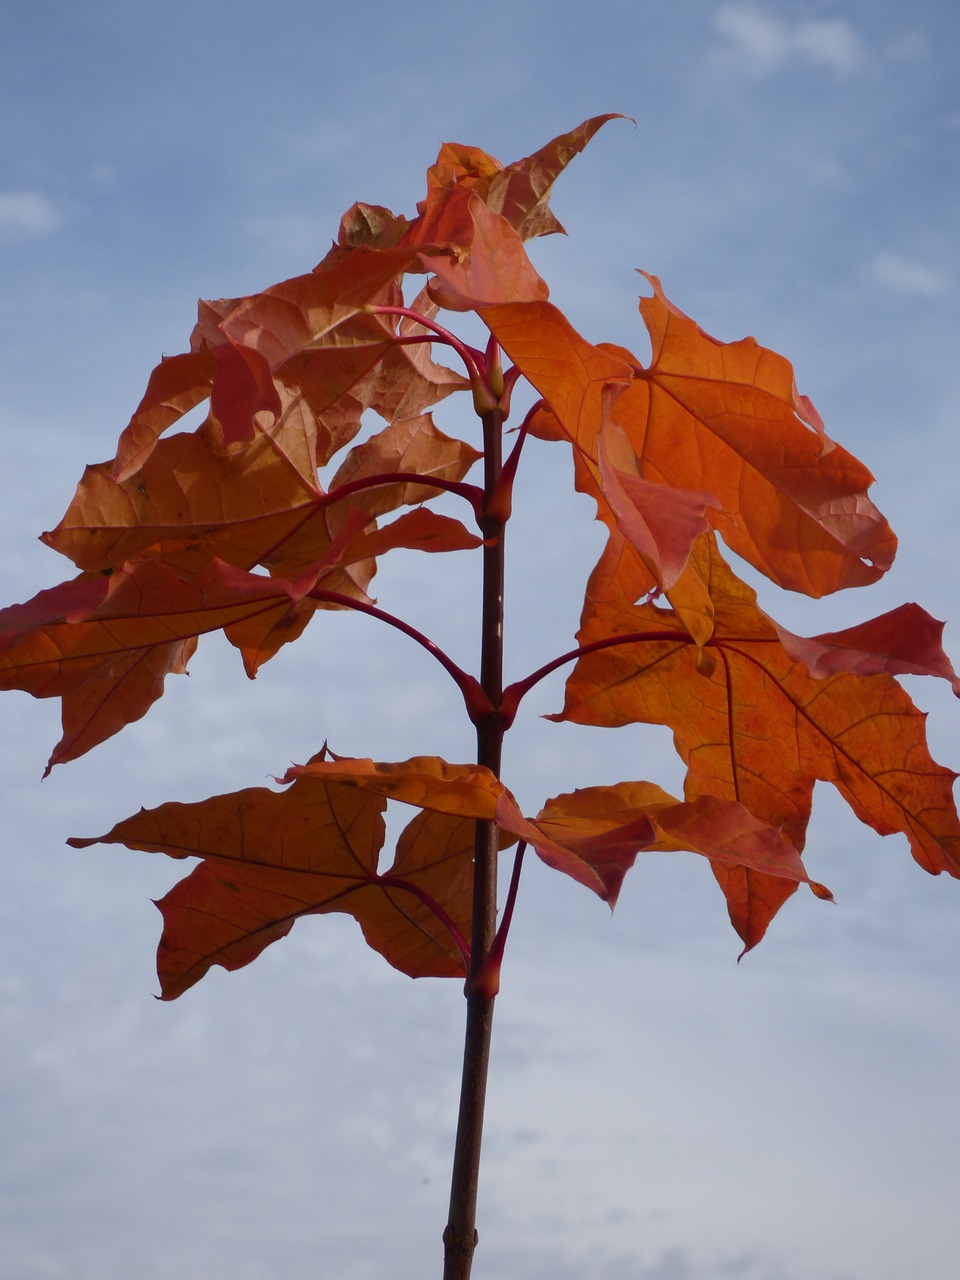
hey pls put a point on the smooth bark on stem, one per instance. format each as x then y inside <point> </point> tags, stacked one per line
<point>460,1235</point>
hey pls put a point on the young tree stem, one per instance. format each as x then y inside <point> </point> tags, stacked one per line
<point>460,1236</point>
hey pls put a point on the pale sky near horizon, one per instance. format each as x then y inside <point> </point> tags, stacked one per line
<point>657,1111</point>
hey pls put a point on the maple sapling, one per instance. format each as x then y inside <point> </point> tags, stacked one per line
<point>239,526</point>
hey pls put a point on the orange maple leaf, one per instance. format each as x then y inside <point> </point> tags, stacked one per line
<point>270,858</point>
<point>756,727</point>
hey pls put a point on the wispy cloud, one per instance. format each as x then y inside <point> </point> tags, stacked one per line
<point>759,42</point>
<point>24,214</point>
<point>678,1263</point>
<point>907,276</point>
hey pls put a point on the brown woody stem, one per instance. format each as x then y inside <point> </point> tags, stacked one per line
<point>460,1236</point>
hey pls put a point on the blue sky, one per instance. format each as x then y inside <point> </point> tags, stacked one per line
<point>657,1112</point>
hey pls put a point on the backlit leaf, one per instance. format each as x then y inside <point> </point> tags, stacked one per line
<point>759,729</point>
<point>269,858</point>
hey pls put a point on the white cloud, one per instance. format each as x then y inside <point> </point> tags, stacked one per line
<point>759,42</point>
<point>830,42</point>
<point>906,276</point>
<point>27,213</point>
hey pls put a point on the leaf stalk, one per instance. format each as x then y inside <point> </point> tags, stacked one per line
<point>398,882</point>
<point>475,699</point>
<point>516,692</point>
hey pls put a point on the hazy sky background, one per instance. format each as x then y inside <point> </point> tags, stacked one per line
<point>657,1112</point>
